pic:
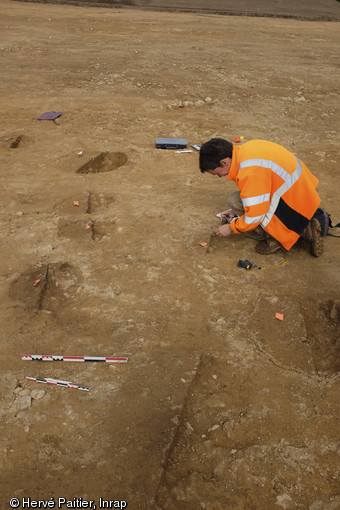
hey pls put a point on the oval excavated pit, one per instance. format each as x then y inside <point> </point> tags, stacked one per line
<point>104,162</point>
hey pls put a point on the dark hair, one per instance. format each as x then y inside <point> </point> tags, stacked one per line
<point>213,151</point>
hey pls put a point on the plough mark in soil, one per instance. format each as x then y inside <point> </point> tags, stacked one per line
<point>45,288</point>
<point>179,428</point>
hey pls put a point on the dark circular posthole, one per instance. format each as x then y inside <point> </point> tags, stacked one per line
<point>104,162</point>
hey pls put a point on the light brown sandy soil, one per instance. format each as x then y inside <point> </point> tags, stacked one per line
<point>221,406</point>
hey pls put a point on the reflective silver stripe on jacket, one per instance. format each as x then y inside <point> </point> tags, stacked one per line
<point>288,179</point>
<point>253,219</point>
<point>247,202</point>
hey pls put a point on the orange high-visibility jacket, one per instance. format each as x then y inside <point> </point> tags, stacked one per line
<point>277,190</point>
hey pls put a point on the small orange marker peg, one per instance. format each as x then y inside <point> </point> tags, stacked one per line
<point>75,202</point>
<point>87,225</point>
<point>203,244</point>
<point>279,316</point>
<point>237,139</point>
<point>36,282</point>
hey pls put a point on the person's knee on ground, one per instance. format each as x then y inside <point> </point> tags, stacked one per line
<point>268,246</point>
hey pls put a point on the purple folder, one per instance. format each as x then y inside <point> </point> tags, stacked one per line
<point>49,115</point>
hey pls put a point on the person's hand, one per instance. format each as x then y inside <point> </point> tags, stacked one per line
<point>228,215</point>
<point>223,230</point>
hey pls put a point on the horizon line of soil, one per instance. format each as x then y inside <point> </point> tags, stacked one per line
<point>184,10</point>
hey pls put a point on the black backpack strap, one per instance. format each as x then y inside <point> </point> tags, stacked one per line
<point>333,226</point>
<point>324,218</point>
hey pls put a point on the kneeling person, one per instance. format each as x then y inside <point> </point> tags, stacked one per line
<point>277,195</point>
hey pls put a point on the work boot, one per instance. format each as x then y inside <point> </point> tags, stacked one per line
<point>312,235</point>
<point>268,246</point>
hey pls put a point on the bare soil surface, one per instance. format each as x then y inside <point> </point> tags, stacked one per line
<point>221,405</point>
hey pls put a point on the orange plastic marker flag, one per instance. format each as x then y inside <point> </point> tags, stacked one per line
<point>75,202</point>
<point>203,244</point>
<point>279,316</point>
<point>36,282</point>
<point>237,139</point>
